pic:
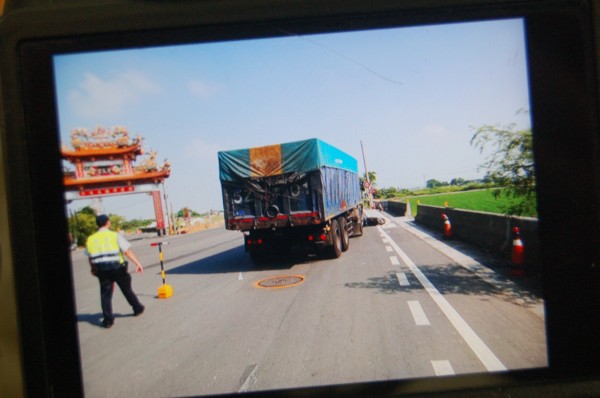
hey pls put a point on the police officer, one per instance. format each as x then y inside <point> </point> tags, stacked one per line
<point>105,249</point>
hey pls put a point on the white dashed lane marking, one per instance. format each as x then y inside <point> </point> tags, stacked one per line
<point>442,368</point>
<point>402,279</point>
<point>418,313</point>
<point>479,348</point>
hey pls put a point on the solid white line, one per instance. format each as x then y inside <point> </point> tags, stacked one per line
<point>402,279</point>
<point>394,260</point>
<point>418,313</point>
<point>442,368</point>
<point>485,355</point>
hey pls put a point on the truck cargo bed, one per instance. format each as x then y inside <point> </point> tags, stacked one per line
<point>285,185</point>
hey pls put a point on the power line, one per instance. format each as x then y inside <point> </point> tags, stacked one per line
<point>339,54</point>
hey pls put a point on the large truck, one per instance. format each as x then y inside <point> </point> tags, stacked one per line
<point>299,195</point>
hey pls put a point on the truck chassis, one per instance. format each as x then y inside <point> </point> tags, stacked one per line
<point>329,238</point>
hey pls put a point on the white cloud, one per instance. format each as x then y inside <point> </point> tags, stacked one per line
<point>106,98</point>
<point>202,150</point>
<point>201,89</point>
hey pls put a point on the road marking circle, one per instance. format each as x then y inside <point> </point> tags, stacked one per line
<point>281,281</point>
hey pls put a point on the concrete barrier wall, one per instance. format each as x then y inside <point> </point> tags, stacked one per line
<point>398,209</point>
<point>489,231</point>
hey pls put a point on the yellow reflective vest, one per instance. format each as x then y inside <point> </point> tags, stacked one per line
<point>104,251</point>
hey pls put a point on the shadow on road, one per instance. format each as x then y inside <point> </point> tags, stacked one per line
<point>235,260</point>
<point>449,279</point>
<point>530,283</point>
<point>386,284</point>
<point>96,319</point>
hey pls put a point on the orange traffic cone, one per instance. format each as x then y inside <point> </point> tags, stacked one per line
<point>447,227</point>
<point>518,255</point>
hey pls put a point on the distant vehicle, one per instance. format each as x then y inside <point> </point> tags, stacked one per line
<point>304,194</point>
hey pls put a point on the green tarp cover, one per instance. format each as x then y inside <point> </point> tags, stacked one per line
<point>299,156</point>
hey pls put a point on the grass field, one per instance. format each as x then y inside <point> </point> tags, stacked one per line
<point>478,200</point>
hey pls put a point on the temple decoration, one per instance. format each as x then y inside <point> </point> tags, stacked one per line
<point>103,161</point>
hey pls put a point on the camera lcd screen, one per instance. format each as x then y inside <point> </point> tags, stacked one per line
<point>420,108</point>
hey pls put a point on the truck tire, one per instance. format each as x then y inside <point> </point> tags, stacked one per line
<point>344,234</point>
<point>357,231</point>
<point>357,222</point>
<point>335,250</point>
<point>358,228</point>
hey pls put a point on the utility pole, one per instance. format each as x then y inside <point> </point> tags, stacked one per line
<point>97,205</point>
<point>166,195</point>
<point>75,228</point>
<point>368,187</point>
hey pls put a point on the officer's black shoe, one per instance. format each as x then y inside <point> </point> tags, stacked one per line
<point>139,311</point>
<point>108,324</point>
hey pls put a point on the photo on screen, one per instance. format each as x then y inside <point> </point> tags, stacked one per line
<point>425,134</point>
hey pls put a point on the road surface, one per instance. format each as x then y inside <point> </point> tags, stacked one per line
<point>399,304</point>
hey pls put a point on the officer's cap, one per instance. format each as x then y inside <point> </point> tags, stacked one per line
<point>101,220</point>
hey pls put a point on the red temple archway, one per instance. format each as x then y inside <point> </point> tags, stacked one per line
<point>104,166</point>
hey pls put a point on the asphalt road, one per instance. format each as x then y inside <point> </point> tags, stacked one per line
<point>399,304</point>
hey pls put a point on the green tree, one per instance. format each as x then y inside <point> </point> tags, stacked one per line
<point>187,212</point>
<point>433,183</point>
<point>510,164</point>
<point>385,193</point>
<point>372,179</point>
<point>116,221</point>
<point>82,224</point>
<point>135,224</point>
<point>87,210</point>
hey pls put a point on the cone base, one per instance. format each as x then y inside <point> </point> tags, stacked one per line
<point>165,291</point>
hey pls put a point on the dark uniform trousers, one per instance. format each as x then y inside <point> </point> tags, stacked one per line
<point>123,279</point>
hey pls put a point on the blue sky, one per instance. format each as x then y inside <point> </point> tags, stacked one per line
<point>411,95</point>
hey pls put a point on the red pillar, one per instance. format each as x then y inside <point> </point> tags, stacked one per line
<point>158,212</point>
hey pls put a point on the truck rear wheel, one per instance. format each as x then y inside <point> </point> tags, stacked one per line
<point>344,234</point>
<point>357,228</point>
<point>357,222</point>
<point>335,249</point>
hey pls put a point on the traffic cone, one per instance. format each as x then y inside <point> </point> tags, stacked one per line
<point>447,227</point>
<point>518,254</point>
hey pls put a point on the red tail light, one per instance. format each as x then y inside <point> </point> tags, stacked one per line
<point>306,214</point>
<point>323,237</point>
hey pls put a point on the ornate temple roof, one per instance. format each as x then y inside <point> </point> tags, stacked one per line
<point>102,143</point>
<point>102,152</point>
<point>104,157</point>
<point>138,177</point>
